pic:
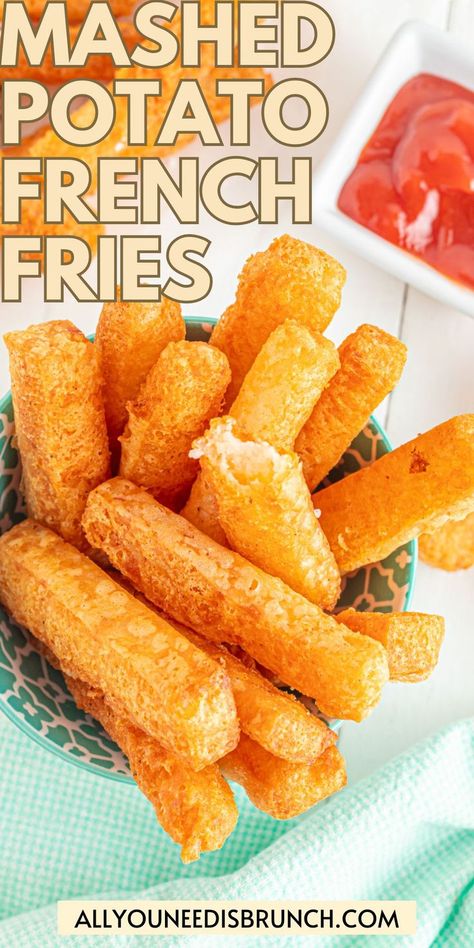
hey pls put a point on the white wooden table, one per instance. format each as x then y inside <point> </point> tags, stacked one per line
<point>438,380</point>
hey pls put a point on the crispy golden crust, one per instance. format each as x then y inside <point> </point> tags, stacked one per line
<point>289,280</point>
<point>371,362</point>
<point>101,68</point>
<point>59,421</point>
<point>201,510</point>
<point>411,490</point>
<point>291,370</point>
<point>278,787</point>
<point>276,397</point>
<point>276,720</point>
<point>103,635</point>
<point>129,339</point>
<point>197,810</point>
<point>266,511</point>
<point>219,594</point>
<point>412,639</point>
<point>183,391</point>
<point>451,547</point>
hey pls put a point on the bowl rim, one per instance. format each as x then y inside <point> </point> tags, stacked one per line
<point>58,751</point>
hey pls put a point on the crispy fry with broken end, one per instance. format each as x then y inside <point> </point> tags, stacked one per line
<point>276,720</point>
<point>183,391</point>
<point>279,391</point>
<point>412,639</point>
<point>371,364</point>
<point>224,597</point>
<point>102,634</point>
<point>276,397</point>
<point>197,810</point>
<point>59,421</point>
<point>451,547</point>
<point>289,280</point>
<point>278,787</point>
<point>100,67</point>
<point>76,9</point>
<point>129,339</point>
<point>266,511</point>
<point>411,490</point>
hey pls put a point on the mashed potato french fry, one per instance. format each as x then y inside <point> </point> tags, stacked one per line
<point>412,639</point>
<point>451,547</point>
<point>59,422</point>
<point>183,391</point>
<point>103,635</point>
<point>266,511</point>
<point>371,363</point>
<point>276,720</point>
<point>129,339</point>
<point>277,395</point>
<point>197,810</point>
<point>278,787</point>
<point>411,490</point>
<point>287,378</point>
<point>290,279</point>
<point>219,594</point>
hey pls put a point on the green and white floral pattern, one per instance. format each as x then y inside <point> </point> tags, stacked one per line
<point>34,695</point>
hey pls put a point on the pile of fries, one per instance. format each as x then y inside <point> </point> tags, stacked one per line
<point>180,594</point>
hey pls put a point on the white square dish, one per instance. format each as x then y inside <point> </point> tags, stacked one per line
<point>415,48</point>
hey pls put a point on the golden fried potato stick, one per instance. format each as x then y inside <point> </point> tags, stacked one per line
<point>101,68</point>
<point>451,547</point>
<point>59,422</point>
<point>275,719</point>
<point>412,639</point>
<point>129,338</point>
<point>278,787</point>
<point>411,490</point>
<point>226,599</point>
<point>371,364</point>
<point>103,635</point>
<point>197,810</point>
<point>266,511</point>
<point>183,391</point>
<point>76,9</point>
<point>291,370</point>
<point>290,279</point>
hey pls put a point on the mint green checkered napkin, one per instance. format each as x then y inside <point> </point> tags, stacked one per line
<point>407,832</point>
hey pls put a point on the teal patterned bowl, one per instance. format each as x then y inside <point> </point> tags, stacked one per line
<point>33,695</point>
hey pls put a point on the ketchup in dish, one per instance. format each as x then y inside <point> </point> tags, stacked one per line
<point>414,181</point>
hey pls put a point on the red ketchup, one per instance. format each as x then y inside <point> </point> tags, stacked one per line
<point>414,181</point>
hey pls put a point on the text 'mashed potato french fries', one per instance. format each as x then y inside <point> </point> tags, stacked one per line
<point>411,490</point>
<point>182,392</point>
<point>289,280</point>
<point>412,640</point>
<point>129,338</point>
<point>59,421</point>
<point>225,598</point>
<point>103,635</point>
<point>275,399</point>
<point>371,362</point>
<point>179,655</point>
<point>266,511</point>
